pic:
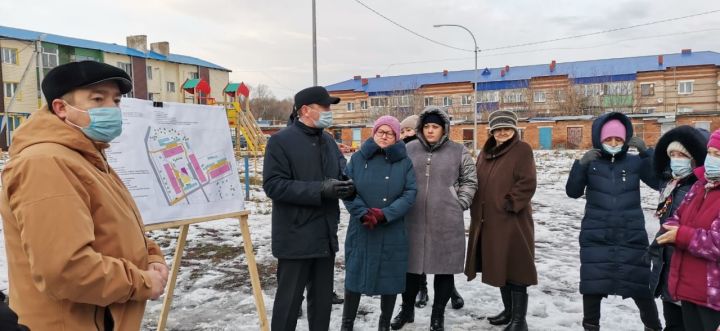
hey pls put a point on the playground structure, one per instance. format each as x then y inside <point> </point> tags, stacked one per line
<point>248,139</point>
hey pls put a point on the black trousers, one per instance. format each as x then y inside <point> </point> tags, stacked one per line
<point>648,311</point>
<point>352,301</point>
<point>293,275</point>
<point>699,318</point>
<point>673,317</point>
<point>443,285</point>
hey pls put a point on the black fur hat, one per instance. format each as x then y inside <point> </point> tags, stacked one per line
<point>694,140</point>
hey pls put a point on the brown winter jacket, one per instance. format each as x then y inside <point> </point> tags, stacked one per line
<point>74,238</point>
<point>501,243</point>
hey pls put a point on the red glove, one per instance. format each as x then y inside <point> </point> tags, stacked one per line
<point>379,215</point>
<point>369,220</point>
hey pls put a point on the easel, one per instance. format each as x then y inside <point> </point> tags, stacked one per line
<point>184,225</point>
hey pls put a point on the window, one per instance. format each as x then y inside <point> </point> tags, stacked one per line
<point>404,100</point>
<point>78,58</point>
<point>50,58</point>
<point>685,87</point>
<point>592,90</point>
<point>151,96</point>
<point>350,106</point>
<point>684,110</point>
<point>378,102</point>
<point>489,96</point>
<point>561,96</point>
<point>647,110</point>
<point>513,97</point>
<point>428,101</point>
<point>10,89</point>
<point>126,66</point>
<point>149,72</point>
<point>622,88</point>
<point>703,125</point>
<point>193,75</point>
<point>9,55</point>
<point>647,89</point>
<point>466,100</point>
<point>363,104</point>
<point>539,96</point>
<point>170,87</point>
<point>447,101</point>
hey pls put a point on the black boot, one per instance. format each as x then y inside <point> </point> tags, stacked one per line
<point>437,319</point>
<point>519,310</point>
<point>350,309</point>
<point>456,301</point>
<point>406,315</point>
<point>504,316</point>
<point>422,297</point>
<point>337,300</point>
<point>591,327</point>
<point>387,303</point>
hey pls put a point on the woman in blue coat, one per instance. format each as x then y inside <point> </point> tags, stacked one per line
<point>376,248</point>
<point>613,240</point>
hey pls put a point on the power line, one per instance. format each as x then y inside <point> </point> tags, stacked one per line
<point>548,49</point>
<point>603,31</point>
<point>411,31</point>
<point>542,41</point>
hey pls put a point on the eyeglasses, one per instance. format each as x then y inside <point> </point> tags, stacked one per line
<point>388,134</point>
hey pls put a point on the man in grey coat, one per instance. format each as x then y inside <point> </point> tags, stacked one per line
<point>446,184</point>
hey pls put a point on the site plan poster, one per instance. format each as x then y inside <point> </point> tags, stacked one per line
<point>177,160</point>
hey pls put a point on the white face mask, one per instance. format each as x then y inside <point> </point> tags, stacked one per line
<point>612,150</point>
<point>680,166</point>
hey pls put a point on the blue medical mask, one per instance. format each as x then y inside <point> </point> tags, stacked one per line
<point>680,167</point>
<point>105,123</point>
<point>712,167</point>
<point>325,120</point>
<point>612,150</point>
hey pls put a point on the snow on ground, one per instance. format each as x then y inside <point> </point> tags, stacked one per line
<point>214,292</point>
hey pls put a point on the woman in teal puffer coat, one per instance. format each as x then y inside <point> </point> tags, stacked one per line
<point>376,248</point>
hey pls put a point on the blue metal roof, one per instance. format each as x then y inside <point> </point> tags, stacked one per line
<point>21,34</point>
<point>581,72</point>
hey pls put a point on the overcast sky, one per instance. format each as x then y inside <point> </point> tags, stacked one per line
<point>270,41</point>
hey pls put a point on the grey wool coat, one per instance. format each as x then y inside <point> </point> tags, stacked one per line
<point>446,184</point>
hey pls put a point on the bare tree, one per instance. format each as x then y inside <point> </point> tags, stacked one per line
<point>264,105</point>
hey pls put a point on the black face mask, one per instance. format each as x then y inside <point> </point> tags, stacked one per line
<point>409,138</point>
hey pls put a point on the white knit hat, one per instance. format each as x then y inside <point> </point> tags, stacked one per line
<point>677,146</point>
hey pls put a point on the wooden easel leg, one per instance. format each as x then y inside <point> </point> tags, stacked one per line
<point>254,276</point>
<point>167,301</point>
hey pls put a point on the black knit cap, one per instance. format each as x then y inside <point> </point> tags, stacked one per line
<point>71,76</point>
<point>433,118</point>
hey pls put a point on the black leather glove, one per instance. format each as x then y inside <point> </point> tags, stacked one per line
<point>590,155</point>
<point>336,189</point>
<point>638,143</point>
<point>348,191</point>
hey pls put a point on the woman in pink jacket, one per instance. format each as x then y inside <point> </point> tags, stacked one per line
<point>695,231</point>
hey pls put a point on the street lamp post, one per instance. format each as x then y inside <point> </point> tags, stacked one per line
<point>314,42</point>
<point>475,100</point>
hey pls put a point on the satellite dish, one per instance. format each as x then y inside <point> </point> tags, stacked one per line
<point>660,100</point>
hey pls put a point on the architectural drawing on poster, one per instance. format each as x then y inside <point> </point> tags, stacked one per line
<point>184,175</point>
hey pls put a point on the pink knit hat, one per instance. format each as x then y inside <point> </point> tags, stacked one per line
<point>715,139</point>
<point>390,121</point>
<point>612,128</point>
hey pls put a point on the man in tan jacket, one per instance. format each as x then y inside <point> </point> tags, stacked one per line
<point>76,248</point>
